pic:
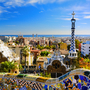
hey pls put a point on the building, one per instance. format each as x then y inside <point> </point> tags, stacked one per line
<point>7,54</point>
<point>55,65</point>
<point>35,53</point>
<point>18,51</point>
<point>4,38</point>
<point>85,48</point>
<point>72,52</point>
<point>21,40</point>
<point>40,61</point>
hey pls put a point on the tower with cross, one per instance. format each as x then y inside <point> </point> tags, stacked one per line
<point>72,52</point>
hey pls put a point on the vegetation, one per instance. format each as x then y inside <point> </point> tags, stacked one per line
<point>40,47</point>
<point>27,63</point>
<point>45,75</point>
<point>46,47</point>
<point>86,56</point>
<point>17,42</point>
<point>53,47</point>
<point>68,47</point>
<point>7,66</point>
<point>25,52</point>
<point>77,42</point>
<point>23,62</point>
<point>75,62</point>
<point>44,53</point>
<point>59,44</point>
<point>85,63</point>
<point>13,41</point>
<point>20,67</point>
<point>34,61</point>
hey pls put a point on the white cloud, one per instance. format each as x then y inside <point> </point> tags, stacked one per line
<point>7,4</point>
<point>76,8</point>
<point>67,19</point>
<point>87,17</point>
<point>3,19</point>
<point>44,1</point>
<point>86,12</point>
<point>2,10</point>
<point>40,11</point>
<point>14,3</point>
<point>71,18</point>
<point>83,23</point>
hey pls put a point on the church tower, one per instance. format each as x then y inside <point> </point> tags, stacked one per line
<point>72,52</point>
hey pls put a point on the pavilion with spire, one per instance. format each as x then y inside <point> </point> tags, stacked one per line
<point>55,65</point>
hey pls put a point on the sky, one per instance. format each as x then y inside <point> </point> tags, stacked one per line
<point>51,17</point>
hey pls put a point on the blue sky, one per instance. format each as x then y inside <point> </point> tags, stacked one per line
<point>44,16</point>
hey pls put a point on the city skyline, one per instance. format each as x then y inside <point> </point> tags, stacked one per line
<point>44,17</point>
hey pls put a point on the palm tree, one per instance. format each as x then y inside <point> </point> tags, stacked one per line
<point>25,52</point>
<point>7,66</point>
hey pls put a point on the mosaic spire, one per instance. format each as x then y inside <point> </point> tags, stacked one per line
<point>72,52</point>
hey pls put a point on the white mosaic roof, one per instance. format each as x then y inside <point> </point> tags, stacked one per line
<point>8,53</point>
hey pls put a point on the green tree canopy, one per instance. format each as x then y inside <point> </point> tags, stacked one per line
<point>25,51</point>
<point>20,67</point>
<point>17,42</point>
<point>7,65</point>
<point>77,42</point>
<point>44,53</point>
<point>68,47</point>
<point>53,47</point>
<point>47,47</point>
<point>40,47</point>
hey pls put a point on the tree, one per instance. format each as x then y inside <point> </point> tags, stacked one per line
<point>27,63</point>
<point>17,42</point>
<point>40,47</point>
<point>44,53</point>
<point>34,61</point>
<point>20,67</point>
<point>68,47</point>
<point>23,62</point>
<point>77,43</point>
<point>86,56</point>
<point>59,44</point>
<point>8,66</point>
<point>25,52</point>
<point>47,47</point>
<point>53,46</point>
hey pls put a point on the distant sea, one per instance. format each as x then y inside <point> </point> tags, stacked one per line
<point>48,35</point>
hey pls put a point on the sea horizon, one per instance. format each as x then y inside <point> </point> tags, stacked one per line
<point>42,35</point>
